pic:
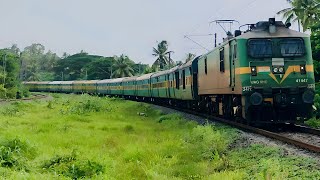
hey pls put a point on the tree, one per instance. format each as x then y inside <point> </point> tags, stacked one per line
<point>315,45</point>
<point>163,55</point>
<point>305,11</point>
<point>100,68</point>
<point>75,67</point>
<point>150,69</point>
<point>123,67</point>
<point>190,57</point>
<point>9,72</point>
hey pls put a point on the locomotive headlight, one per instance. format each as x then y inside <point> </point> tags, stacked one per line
<point>281,70</point>
<point>275,70</point>
<point>303,69</point>
<point>278,70</point>
<point>253,70</point>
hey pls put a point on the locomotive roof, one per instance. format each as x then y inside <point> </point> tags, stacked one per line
<point>281,32</point>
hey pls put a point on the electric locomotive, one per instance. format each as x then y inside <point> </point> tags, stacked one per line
<point>264,75</point>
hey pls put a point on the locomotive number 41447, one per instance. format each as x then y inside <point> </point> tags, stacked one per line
<point>302,80</point>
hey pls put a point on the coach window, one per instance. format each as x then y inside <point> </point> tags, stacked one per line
<point>222,60</point>
<point>184,79</point>
<point>177,80</point>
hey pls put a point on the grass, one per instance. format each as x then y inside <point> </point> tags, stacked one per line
<point>74,137</point>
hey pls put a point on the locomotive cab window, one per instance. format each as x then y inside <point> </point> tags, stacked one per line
<point>292,47</point>
<point>222,60</point>
<point>260,48</point>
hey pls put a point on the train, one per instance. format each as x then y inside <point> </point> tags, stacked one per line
<point>261,75</point>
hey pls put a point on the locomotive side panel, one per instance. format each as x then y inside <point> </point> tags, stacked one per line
<point>214,72</point>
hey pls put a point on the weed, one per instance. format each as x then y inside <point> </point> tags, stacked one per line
<point>313,122</point>
<point>50,105</point>
<point>71,166</point>
<point>128,129</point>
<point>11,111</point>
<point>14,154</point>
<point>104,128</point>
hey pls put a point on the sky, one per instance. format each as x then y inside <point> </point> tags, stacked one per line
<point>130,27</point>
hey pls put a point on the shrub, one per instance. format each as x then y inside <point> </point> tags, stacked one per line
<point>15,153</point>
<point>71,166</point>
<point>11,111</point>
<point>86,105</point>
<point>128,129</point>
<point>313,122</point>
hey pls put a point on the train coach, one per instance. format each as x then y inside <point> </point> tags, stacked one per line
<point>262,75</point>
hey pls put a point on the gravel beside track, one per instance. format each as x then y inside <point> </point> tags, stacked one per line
<point>247,138</point>
<point>308,138</point>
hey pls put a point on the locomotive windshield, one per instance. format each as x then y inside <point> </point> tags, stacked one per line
<point>260,48</point>
<point>292,47</point>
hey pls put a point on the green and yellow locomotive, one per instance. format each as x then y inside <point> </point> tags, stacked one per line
<point>262,75</point>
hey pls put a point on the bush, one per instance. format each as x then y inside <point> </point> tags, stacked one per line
<point>70,166</point>
<point>15,153</point>
<point>3,91</point>
<point>313,122</point>
<point>86,105</point>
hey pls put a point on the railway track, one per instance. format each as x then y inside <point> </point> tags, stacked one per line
<point>283,137</point>
<point>33,97</point>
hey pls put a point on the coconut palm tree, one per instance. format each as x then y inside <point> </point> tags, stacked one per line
<point>122,67</point>
<point>305,12</point>
<point>163,55</point>
<point>190,57</point>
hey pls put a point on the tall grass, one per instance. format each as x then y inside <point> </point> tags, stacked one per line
<point>85,137</point>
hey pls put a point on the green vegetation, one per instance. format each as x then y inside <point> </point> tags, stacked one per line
<point>162,54</point>
<point>73,136</point>
<point>123,67</point>
<point>307,14</point>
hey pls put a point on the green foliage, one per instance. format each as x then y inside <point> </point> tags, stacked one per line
<point>162,54</point>
<point>313,122</point>
<point>75,67</point>
<point>82,107</point>
<point>71,166</point>
<point>260,162</point>
<point>36,64</point>
<point>306,11</point>
<point>123,67</point>
<point>15,153</point>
